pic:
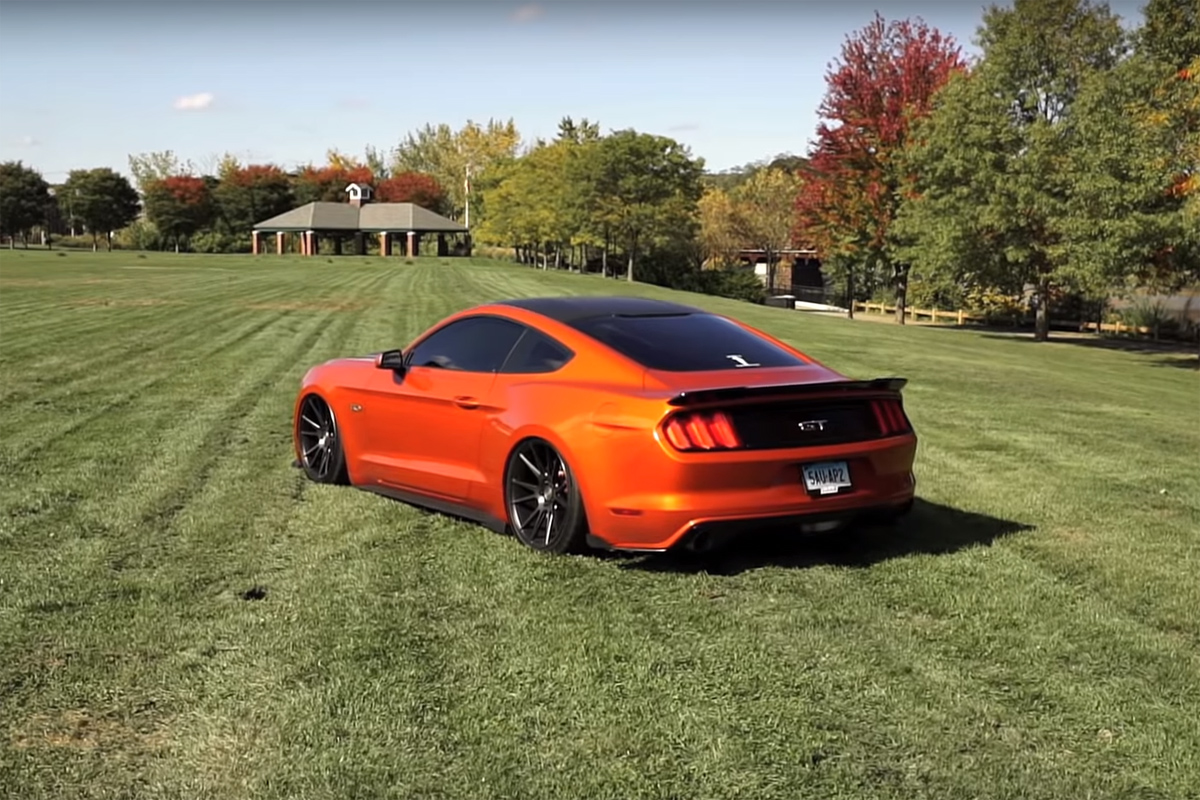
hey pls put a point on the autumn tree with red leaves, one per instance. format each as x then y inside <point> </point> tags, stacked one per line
<point>413,187</point>
<point>179,206</point>
<point>248,195</point>
<point>885,78</point>
<point>328,184</point>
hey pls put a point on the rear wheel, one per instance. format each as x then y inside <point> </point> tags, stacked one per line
<point>545,509</point>
<point>321,453</point>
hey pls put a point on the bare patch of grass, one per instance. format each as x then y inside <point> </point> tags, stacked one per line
<point>82,729</point>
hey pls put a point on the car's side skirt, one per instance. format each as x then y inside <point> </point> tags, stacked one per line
<point>443,506</point>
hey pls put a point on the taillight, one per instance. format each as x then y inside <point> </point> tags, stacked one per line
<point>889,415</point>
<point>702,430</point>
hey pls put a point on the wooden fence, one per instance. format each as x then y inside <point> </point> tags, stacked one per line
<point>961,317</point>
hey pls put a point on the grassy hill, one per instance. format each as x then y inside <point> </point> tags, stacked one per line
<point>181,615</point>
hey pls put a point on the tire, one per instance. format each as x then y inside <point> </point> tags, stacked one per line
<point>321,454</point>
<point>542,499</point>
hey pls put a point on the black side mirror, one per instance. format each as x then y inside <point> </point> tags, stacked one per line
<point>390,359</point>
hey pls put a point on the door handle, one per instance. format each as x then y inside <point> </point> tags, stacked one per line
<point>466,402</point>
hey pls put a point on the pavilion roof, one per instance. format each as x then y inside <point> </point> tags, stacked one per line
<point>376,217</point>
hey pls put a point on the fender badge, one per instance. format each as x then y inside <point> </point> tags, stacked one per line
<point>355,407</point>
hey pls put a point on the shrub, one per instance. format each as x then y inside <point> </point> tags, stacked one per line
<point>994,305</point>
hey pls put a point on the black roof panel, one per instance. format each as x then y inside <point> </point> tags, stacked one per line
<point>661,335</point>
<point>573,308</point>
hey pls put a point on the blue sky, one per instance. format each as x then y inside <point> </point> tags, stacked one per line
<point>86,83</point>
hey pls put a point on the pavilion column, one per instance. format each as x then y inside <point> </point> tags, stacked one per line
<point>385,244</point>
<point>279,243</point>
<point>256,242</point>
<point>412,244</point>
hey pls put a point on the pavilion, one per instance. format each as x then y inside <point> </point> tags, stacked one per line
<point>356,219</point>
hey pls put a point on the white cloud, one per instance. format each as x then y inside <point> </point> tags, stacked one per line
<point>683,127</point>
<point>194,102</point>
<point>26,141</point>
<point>528,13</point>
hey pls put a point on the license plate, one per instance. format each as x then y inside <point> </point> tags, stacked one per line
<point>827,477</point>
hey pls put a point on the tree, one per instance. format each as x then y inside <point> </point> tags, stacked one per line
<point>147,168</point>
<point>730,179</point>
<point>452,156</point>
<point>24,200</point>
<point>640,187</point>
<point>765,214</point>
<point>103,200</point>
<point>577,133</point>
<point>719,238</point>
<point>248,195</point>
<point>530,204</point>
<point>413,187</point>
<point>328,184</point>
<point>375,161</point>
<point>179,206</point>
<point>885,78</point>
<point>991,165</point>
<point>1170,34</point>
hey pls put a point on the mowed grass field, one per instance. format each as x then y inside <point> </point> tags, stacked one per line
<point>182,615</point>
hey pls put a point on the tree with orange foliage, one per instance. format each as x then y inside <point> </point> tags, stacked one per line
<point>179,206</point>
<point>248,195</point>
<point>885,78</point>
<point>413,187</point>
<point>328,184</point>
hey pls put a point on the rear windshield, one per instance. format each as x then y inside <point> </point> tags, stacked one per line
<point>686,342</point>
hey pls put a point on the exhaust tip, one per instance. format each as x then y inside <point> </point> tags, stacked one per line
<point>820,527</point>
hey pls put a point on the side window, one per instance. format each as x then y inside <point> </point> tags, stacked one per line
<point>475,344</point>
<point>536,353</point>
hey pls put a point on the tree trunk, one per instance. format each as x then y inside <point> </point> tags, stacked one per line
<point>95,246</point>
<point>109,240</point>
<point>850,292</point>
<point>770,271</point>
<point>604,256</point>
<point>901,294</point>
<point>558,256</point>
<point>632,253</point>
<point>1041,320</point>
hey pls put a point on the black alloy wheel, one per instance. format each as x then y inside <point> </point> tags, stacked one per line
<point>545,509</point>
<point>321,453</point>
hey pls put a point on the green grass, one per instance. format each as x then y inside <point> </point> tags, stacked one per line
<point>181,615</point>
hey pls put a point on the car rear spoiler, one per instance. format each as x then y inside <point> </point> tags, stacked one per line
<point>696,396</point>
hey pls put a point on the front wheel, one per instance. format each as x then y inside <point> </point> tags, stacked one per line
<point>321,453</point>
<point>545,509</point>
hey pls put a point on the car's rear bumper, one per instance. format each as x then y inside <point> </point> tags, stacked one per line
<point>682,499</point>
<point>708,534</point>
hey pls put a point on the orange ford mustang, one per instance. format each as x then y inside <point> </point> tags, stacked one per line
<point>615,422</point>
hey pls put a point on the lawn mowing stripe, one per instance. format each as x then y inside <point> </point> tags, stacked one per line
<point>139,352</point>
<point>34,438</point>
